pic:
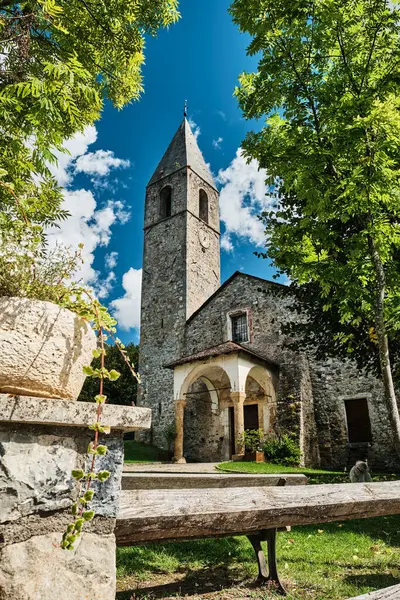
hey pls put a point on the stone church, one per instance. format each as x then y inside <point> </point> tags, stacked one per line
<point>213,359</point>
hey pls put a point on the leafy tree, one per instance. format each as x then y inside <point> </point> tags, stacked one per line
<point>59,61</point>
<point>328,83</point>
<point>121,391</point>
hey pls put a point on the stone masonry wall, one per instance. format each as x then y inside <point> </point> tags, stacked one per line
<point>36,494</point>
<point>315,389</point>
<point>179,274</point>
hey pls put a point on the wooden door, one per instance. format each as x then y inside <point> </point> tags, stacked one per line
<point>358,421</point>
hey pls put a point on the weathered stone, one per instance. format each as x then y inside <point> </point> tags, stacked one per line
<point>43,348</point>
<point>27,409</point>
<point>14,532</point>
<point>38,569</point>
<point>35,473</point>
<point>185,311</point>
<point>107,494</point>
<point>36,465</point>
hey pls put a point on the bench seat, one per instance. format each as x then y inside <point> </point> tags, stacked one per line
<point>390,593</point>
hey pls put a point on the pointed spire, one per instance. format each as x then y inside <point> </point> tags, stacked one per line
<point>183,151</point>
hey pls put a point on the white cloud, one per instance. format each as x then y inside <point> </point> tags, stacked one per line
<point>226,242</point>
<point>217,143</point>
<point>75,146</point>
<point>127,308</point>
<point>104,287</point>
<point>110,260</point>
<point>221,114</point>
<point>242,198</point>
<point>89,225</point>
<point>195,128</point>
<point>99,163</point>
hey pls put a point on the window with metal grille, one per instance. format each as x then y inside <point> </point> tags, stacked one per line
<point>240,331</point>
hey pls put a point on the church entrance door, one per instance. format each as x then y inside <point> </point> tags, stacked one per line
<point>251,416</point>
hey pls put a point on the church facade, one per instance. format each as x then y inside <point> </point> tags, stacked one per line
<point>213,359</point>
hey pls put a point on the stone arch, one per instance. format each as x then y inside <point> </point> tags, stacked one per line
<point>166,201</point>
<point>206,427</point>
<point>260,390</point>
<point>214,374</point>
<point>203,205</point>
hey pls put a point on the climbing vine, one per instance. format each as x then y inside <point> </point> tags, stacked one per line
<point>104,324</point>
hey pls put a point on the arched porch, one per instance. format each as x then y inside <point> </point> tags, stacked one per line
<point>217,397</point>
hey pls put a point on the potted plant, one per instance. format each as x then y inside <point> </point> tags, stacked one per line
<point>45,333</point>
<point>48,340</point>
<point>253,440</point>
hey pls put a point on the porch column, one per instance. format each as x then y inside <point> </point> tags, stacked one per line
<point>179,416</point>
<point>238,399</point>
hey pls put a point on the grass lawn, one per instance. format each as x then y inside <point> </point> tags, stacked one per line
<point>329,562</point>
<point>137,452</point>
<point>332,561</point>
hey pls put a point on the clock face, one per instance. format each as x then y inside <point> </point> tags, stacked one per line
<point>204,238</point>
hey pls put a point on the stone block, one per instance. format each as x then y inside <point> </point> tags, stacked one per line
<point>28,409</point>
<point>38,569</point>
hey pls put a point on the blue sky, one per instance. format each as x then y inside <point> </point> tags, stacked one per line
<point>198,59</point>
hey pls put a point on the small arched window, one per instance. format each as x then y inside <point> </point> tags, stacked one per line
<point>166,201</point>
<point>203,206</point>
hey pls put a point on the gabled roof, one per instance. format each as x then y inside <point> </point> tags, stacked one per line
<point>225,348</point>
<point>183,151</point>
<point>228,281</point>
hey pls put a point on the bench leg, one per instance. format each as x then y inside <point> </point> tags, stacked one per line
<point>271,576</point>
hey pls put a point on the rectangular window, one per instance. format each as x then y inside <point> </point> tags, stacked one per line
<point>358,421</point>
<point>240,330</point>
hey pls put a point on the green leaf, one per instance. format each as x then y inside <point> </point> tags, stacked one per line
<point>102,450</point>
<point>88,495</point>
<point>100,398</point>
<point>103,476</point>
<point>114,375</point>
<point>78,474</point>
<point>88,515</point>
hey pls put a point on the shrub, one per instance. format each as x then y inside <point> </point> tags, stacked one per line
<point>283,450</point>
<point>252,439</point>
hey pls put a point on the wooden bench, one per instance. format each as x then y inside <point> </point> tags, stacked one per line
<point>150,513</point>
<point>390,593</point>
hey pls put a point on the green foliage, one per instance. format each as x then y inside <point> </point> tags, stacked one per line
<point>252,439</point>
<point>327,85</point>
<point>283,450</point>
<point>332,152</point>
<point>123,390</point>
<point>137,452</point>
<point>60,60</point>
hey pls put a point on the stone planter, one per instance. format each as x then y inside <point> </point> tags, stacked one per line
<point>43,348</point>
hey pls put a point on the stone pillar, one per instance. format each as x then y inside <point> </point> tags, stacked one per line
<point>238,399</point>
<point>179,416</point>
<point>41,441</point>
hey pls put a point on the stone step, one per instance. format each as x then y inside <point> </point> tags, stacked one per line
<point>151,481</point>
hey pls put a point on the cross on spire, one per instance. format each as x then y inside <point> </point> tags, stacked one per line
<point>185,109</point>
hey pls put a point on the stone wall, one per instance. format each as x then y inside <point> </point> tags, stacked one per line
<point>206,426</point>
<point>311,393</point>
<point>180,271</point>
<point>36,494</point>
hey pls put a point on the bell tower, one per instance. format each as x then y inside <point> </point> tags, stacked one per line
<point>181,266</point>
